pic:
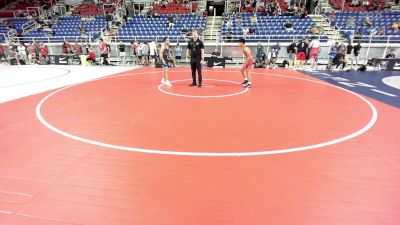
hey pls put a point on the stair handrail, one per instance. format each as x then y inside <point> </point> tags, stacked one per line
<point>212,24</point>
<point>26,27</point>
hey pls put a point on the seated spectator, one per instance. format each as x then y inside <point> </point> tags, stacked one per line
<point>367,21</point>
<point>77,49</point>
<point>184,29</point>
<point>254,19</point>
<point>358,35</point>
<point>391,54</point>
<point>67,49</point>
<point>354,3</point>
<point>252,31</point>
<point>229,36</point>
<point>278,10</point>
<point>304,12</point>
<point>171,23</point>
<point>396,26</point>
<point>350,22</point>
<point>260,61</point>
<point>290,11</point>
<point>229,23</point>
<point>382,31</point>
<point>372,30</point>
<point>245,31</point>
<point>288,25</point>
<point>91,56</point>
<point>339,61</point>
<point>321,30</point>
<point>215,53</point>
<point>366,4</point>
<point>332,15</point>
<point>314,30</point>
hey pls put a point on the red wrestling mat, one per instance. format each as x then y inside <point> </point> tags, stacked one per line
<point>199,155</point>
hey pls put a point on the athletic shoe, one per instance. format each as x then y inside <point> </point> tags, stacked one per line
<point>248,85</point>
<point>193,84</point>
<point>163,81</point>
<point>244,83</point>
<point>199,86</point>
<point>168,83</point>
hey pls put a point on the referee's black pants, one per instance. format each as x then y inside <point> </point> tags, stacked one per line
<point>196,65</point>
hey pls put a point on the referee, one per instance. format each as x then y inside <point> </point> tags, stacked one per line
<point>196,50</point>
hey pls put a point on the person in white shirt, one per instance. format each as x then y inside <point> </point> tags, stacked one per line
<point>314,49</point>
<point>153,52</point>
<point>22,52</point>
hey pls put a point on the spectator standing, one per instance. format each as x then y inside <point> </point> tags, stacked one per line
<point>139,53</point>
<point>122,53</point>
<point>145,53</point>
<point>77,49</point>
<point>314,49</point>
<point>2,54</point>
<point>273,55</point>
<point>44,51</point>
<point>32,53</point>
<point>349,53</point>
<point>291,50</point>
<point>134,51</point>
<point>104,52</point>
<point>12,56</point>
<point>22,52</point>
<point>67,49</point>
<point>356,52</point>
<point>178,53</point>
<point>301,49</point>
<point>153,52</point>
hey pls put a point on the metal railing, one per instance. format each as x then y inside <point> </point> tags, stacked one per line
<point>272,38</point>
<point>54,39</point>
<point>158,39</point>
<point>26,27</point>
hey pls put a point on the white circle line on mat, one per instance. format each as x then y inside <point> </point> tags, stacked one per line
<point>372,121</point>
<point>244,90</point>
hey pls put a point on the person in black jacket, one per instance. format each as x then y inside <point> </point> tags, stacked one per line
<point>291,50</point>
<point>195,49</point>
<point>356,51</point>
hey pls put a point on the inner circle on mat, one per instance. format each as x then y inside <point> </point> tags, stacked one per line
<point>220,88</point>
<point>283,114</point>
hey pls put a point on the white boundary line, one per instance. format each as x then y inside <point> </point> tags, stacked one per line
<point>38,81</point>
<point>372,121</point>
<point>244,90</point>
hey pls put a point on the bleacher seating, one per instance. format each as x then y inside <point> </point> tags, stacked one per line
<point>337,4</point>
<point>3,30</point>
<point>386,19</point>
<point>18,22</point>
<point>7,12</point>
<point>68,26</point>
<point>176,8</point>
<point>92,10</point>
<point>270,27</point>
<point>148,28</point>
<point>282,4</point>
